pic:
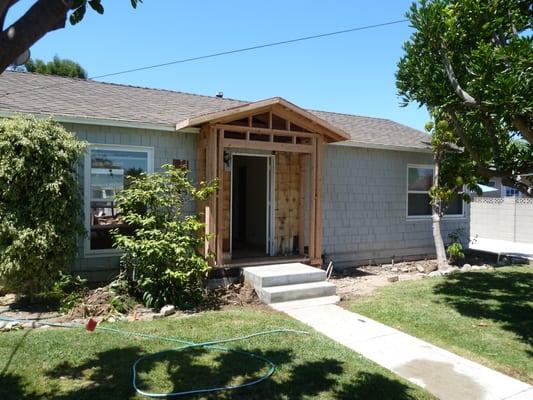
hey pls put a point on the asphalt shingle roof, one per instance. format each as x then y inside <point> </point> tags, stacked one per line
<point>43,94</point>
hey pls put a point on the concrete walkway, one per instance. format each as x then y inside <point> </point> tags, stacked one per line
<point>444,374</point>
<point>503,247</point>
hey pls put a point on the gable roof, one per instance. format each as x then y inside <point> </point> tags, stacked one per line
<point>332,131</point>
<point>108,103</point>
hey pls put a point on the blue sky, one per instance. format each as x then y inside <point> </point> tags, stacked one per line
<point>351,73</point>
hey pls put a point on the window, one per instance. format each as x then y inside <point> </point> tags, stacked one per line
<point>107,170</point>
<point>511,192</point>
<point>419,181</point>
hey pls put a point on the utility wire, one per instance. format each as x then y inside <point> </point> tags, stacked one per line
<point>260,46</point>
<point>223,53</point>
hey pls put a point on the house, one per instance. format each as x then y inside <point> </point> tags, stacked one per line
<point>295,184</point>
<point>501,190</point>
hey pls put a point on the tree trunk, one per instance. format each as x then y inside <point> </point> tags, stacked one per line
<point>442,261</point>
<point>436,213</point>
<point>44,16</point>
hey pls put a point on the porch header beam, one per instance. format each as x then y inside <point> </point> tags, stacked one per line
<point>271,146</point>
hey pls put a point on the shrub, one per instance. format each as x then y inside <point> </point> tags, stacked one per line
<point>455,249</point>
<point>162,255</point>
<point>40,203</point>
<point>67,292</point>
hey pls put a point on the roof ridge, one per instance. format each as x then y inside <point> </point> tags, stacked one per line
<point>89,80</point>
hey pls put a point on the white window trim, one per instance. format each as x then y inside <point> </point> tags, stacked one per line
<point>88,252</point>
<point>425,217</point>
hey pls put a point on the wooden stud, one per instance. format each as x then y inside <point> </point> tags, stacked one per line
<point>301,206</point>
<point>312,208</point>
<point>220,197</point>
<point>319,190</point>
<point>211,174</point>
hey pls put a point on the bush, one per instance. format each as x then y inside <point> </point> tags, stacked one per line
<point>162,255</point>
<point>455,249</point>
<point>67,292</point>
<point>40,203</point>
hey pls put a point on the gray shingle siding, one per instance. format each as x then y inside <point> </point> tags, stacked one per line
<point>365,208</point>
<point>167,147</point>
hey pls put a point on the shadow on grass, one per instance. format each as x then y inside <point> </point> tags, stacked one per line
<point>108,375</point>
<point>503,296</point>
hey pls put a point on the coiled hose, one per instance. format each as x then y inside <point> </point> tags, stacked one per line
<point>186,344</point>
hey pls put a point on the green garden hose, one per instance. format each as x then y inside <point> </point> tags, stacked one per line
<point>210,345</point>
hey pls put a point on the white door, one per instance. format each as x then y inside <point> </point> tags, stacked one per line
<point>271,174</point>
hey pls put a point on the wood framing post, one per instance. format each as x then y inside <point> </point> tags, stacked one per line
<point>301,206</point>
<point>200,167</point>
<point>312,205</point>
<point>210,204</point>
<point>220,198</point>
<point>318,204</point>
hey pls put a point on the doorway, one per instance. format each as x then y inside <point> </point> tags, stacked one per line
<point>250,206</point>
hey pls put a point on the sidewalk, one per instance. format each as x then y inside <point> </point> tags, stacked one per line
<point>503,247</point>
<point>442,373</point>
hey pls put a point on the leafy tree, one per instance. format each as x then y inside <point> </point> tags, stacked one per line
<point>42,17</point>
<point>162,255</point>
<point>58,66</point>
<point>470,62</point>
<point>40,203</point>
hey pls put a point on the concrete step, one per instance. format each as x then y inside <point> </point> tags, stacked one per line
<point>313,302</point>
<point>299,291</point>
<point>282,274</point>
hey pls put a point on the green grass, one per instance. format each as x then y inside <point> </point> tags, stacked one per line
<point>74,364</point>
<point>484,316</point>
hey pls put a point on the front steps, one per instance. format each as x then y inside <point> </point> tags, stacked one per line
<point>281,283</point>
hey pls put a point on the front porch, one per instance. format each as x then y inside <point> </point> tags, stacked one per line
<point>267,158</point>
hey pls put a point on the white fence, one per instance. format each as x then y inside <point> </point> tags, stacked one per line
<point>506,218</point>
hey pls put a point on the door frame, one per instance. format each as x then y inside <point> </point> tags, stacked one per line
<point>270,200</point>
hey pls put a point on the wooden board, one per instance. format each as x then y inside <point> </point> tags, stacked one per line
<point>287,196</point>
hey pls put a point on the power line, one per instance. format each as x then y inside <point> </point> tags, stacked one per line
<point>260,46</point>
<point>223,53</point>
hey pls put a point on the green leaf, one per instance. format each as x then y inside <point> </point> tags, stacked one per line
<point>77,15</point>
<point>96,5</point>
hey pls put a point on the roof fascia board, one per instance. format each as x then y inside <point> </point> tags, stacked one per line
<point>379,146</point>
<point>313,118</point>
<point>257,107</point>
<point>102,122</point>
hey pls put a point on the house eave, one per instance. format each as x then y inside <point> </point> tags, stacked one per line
<point>70,119</point>
<point>381,146</point>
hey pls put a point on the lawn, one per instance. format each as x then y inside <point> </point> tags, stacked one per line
<point>75,364</point>
<point>484,316</point>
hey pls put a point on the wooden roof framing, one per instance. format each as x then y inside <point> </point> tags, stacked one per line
<point>278,106</point>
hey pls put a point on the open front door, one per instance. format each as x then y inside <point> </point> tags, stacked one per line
<point>252,208</point>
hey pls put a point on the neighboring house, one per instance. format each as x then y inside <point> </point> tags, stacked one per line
<point>502,190</point>
<point>295,184</point>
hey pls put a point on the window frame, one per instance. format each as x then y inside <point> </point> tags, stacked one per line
<point>88,252</point>
<point>425,217</point>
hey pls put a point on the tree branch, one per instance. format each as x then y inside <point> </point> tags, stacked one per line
<point>524,127</point>
<point>467,99</point>
<point>5,5</point>
<point>462,135</point>
<point>489,126</point>
<point>42,17</point>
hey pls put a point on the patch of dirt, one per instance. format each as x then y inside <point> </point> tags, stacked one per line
<point>364,280</point>
<point>236,294</point>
